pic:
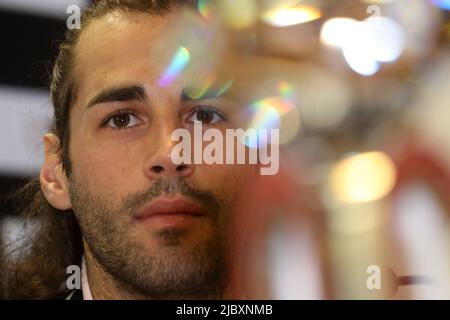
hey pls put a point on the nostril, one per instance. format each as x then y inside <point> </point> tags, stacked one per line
<point>181,167</point>
<point>157,169</point>
<point>160,169</point>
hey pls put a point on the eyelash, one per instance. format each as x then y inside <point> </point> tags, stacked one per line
<point>135,114</point>
<point>209,108</point>
<point>119,112</point>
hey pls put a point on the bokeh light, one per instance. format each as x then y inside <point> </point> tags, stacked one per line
<point>358,52</point>
<point>327,110</point>
<point>289,16</point>
<point>238,14</point>
<point>336,31</point>
<point>388,38</point>
<point>365,44</point>
<point>363,177</point>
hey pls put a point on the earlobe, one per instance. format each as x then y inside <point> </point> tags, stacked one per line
<point>53,180</point>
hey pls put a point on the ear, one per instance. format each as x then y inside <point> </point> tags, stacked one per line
<point>54,183</point>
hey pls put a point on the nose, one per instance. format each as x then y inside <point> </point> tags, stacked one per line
<point>159,164</point>
<point>169,169</point>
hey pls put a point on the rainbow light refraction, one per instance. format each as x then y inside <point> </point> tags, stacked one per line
<point>443,4</point>
<point>266,114</point>
<point>204,7</point>
<point>285,89</point>
<point>207,89</point>
<point>177,65</point>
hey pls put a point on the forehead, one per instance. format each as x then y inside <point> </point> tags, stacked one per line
<point>119,46</point>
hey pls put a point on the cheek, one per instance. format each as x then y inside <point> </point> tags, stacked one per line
<point>103,167</point>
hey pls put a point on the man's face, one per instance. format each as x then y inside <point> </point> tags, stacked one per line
<point>157,228</point>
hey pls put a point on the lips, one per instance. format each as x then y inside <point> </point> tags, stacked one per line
<point>168,207</point>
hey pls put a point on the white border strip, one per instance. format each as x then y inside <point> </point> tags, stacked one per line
<point>26,115</point>
<point>50,8</point>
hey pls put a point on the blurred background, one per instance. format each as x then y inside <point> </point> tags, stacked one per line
<point>30,31</point>
<point>360,91</point>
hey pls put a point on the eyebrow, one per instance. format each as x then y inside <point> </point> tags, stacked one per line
<point>185,97</point>
<point>128,93</point>
<point>208,94</point>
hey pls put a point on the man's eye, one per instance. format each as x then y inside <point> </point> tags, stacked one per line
<point>122,120</point>
<point>207,115</point>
